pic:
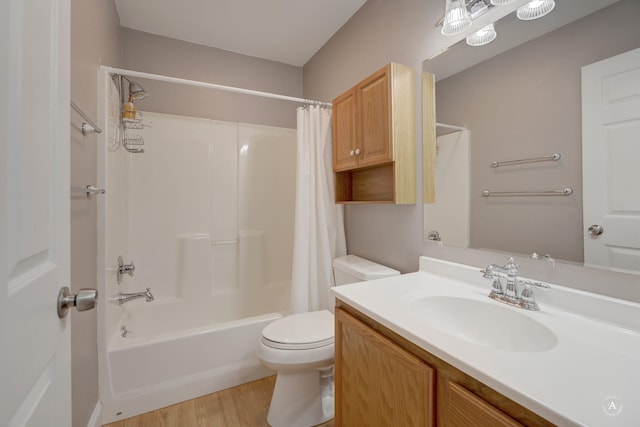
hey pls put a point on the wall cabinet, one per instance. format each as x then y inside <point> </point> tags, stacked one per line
<point>382,379</point>
<point>374,139</point>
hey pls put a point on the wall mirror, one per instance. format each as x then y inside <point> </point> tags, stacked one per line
<point>520,97</point>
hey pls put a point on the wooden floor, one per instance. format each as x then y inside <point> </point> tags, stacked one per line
<point>243,406</point>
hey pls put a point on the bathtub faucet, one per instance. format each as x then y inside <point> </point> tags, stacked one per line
<point>122,298</point>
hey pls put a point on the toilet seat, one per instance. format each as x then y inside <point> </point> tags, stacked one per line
<point>302,331</point>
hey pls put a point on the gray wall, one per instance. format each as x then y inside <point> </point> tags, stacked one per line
<point>380,32</point>
<point>94,40</point>
<point>161,55</point>
<point>524,103</point>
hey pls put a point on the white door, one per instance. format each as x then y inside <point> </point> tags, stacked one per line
<point>611,162</point>
<point>34,217</point>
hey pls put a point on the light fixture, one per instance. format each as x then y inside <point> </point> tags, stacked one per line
<point>499,2</point>
<point>456,18</point>
<point>483,36</point>
<point>535,9</point>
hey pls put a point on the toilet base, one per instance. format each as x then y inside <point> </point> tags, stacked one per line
<point>298,402</point>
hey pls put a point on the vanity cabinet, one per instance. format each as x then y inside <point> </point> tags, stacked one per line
<point>383,379</point>
<point>378,383</point>
<point>460,407</point>
<point>374,139</point>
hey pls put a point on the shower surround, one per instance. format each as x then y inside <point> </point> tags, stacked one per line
<point>206,214</point>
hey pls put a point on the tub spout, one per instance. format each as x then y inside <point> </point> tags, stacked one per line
<point>122,298</point>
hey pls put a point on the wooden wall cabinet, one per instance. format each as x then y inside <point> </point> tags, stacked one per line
<point>382,379</point>
<point>374,139</point>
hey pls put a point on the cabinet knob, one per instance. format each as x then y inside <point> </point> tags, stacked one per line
<point>351,153</point>
<point>357,151</point>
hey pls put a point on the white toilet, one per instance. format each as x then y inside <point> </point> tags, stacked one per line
<point>300,349</point>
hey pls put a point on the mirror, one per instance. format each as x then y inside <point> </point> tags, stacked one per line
<point>520,98</point>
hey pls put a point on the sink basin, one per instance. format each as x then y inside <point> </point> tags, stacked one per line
<point>484,323</point>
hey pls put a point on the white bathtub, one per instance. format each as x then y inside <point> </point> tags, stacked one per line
<point>152,370</point>
<point>196,213</point>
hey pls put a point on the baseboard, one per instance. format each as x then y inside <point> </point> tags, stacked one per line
<point>96,416</point>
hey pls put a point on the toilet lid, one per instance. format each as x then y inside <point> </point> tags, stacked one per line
<point>300,331</point>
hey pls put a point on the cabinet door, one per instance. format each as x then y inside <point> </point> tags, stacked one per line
<point>344,131</point>
<point>375,114</point>
<point>377,382</point>
<point>458,407</point>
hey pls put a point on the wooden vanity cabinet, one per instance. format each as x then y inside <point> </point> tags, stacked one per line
<point>374,139</point>
<point>378,383</point>
<point>383,379</point>
<point>458,407</point>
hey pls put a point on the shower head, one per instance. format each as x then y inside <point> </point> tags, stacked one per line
<point>136,91</point>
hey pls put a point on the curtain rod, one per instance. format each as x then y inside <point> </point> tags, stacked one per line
<point>131,73</point>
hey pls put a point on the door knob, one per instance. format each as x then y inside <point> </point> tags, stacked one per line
<point>85,299</point>
<point>596,230</point>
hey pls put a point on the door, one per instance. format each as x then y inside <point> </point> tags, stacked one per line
<point>374,145</point>
<point>344,131</point>
<point>35,374</point>
<point>378,383</point>
<point>610,153</point>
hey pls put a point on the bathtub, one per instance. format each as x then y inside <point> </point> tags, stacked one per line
<point>207,239</point>
<point>166,359</point>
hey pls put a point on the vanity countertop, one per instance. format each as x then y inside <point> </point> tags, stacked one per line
<point>593,361</point>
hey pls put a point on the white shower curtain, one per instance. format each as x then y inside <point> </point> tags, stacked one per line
<point>319,226</point>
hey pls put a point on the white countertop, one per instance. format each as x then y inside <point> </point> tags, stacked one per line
<point>597,355</point>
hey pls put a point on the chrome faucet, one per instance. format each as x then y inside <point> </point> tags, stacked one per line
<point>122,298</point>
<point>511,295</point>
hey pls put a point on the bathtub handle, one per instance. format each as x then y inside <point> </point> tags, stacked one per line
<point>124,269</point>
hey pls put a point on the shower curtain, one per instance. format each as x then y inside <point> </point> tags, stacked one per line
<point>319,226</point>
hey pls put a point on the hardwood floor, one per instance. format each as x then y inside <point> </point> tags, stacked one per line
<point>243,406</point>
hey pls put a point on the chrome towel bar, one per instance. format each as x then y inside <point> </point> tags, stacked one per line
<point>554,157</point>
<point>88,127</point>
<point>564,192</point>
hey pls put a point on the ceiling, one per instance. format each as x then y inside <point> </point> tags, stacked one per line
<point>288,31</point>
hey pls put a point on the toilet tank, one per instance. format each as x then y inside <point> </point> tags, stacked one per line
<point>351,268</point>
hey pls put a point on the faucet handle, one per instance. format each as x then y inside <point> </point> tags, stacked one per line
<point>124,269</point>
<point>527,298</point>
<point>496,288</point>
<point>488,272</point>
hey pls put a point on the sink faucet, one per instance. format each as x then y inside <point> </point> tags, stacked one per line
<point>523,299</point>
<point>146,294</point>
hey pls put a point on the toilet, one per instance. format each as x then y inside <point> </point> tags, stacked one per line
<point>300,348</point>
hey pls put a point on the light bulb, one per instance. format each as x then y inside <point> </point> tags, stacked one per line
<point>535,9</point>
<point>456,18</point>
<point>483,36</point>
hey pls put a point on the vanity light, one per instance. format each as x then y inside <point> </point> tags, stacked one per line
<point>535,9</point>
<point>483,36</point>
<point>499,2</point>
<point>456,18</point>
